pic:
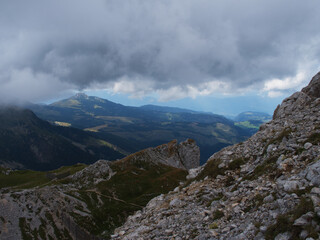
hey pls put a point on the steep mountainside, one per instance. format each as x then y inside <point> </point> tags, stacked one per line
<point>148,126</point>
<point>29,142</point>
<point>87,203</point>
<point>267,187</point>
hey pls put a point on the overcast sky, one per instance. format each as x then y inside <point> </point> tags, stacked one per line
<point>166,50</point>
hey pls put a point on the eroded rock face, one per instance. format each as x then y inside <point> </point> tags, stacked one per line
<point>189,154</point>
<point>93,174</point>
<point>248,190</point>
<point>184,155</point>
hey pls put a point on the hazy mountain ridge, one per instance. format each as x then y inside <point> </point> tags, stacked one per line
<point>140,127</point>
<point>29,142</point>
<point>172,109</point>
<point>251,115</point>
<point>267,187</point>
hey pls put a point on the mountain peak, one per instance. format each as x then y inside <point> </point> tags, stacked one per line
<point>81,96</point>
<point>299,100</point>
<point>313,89</point>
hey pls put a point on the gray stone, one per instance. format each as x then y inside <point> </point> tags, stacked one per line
<point>304,219</point>
<point>304,234</point>
<point>268,199</point>
<point>175,202</point>
<point>286,164</point>
<point>271,148</point>
<point>307,145</point>
<point>283,236</point>
<point>193,172</point>
<point>315,190</point>
<point>292,185</point>
<point>315,200</point>
<point>313,173</point>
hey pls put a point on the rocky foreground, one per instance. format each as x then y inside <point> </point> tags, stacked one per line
<point>93,201</point>
<point>267,187</point>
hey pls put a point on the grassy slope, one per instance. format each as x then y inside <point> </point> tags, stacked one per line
<point>133,186</point>
<point>22,179</point>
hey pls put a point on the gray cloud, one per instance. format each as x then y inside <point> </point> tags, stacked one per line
<point>166,44</point>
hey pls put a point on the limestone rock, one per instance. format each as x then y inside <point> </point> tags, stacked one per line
<point>313,173</point>
<point>313,89</point>
<point>304,219</point>
<point>248,187</point>
<point>185,155</point>
<point>93,174</point>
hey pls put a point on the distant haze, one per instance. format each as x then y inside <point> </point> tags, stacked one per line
<point>159,51</point>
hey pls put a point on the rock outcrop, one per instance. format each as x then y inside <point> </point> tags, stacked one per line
<point>184,155</point>
<point>93,174</point>
<point>267,187</point>
<point>313,89</point>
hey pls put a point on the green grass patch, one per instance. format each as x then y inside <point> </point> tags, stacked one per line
<point>247,124</point>
<point>217,214</point>
<point>284,133</point>
<point>26,232</point>
<point>236,164</point>
<point>132,187</point>
<point>211,169</point>
<point>314,138</point>
<point>267,167</point>
<point>23,179</point>
<point>285,222</point>
<point>256,202</point>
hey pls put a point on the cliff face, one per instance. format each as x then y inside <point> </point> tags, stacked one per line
<point>267,187</point>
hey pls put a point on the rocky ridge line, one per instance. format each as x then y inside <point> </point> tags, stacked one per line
<point>267,187</point>
<point>184,155</point>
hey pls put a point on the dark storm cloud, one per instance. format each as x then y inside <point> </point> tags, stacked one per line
<point>178,45</point>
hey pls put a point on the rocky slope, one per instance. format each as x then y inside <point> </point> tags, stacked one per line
<point>267,187</point>
<point>185,155</point>
<point>89,203</point>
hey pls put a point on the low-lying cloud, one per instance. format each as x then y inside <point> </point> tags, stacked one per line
<point>173,48</point>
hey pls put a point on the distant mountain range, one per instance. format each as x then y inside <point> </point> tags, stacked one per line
<point>170,109</point>
<point>249,116</point>
<point>29,142</point>
<point>136,128</point>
